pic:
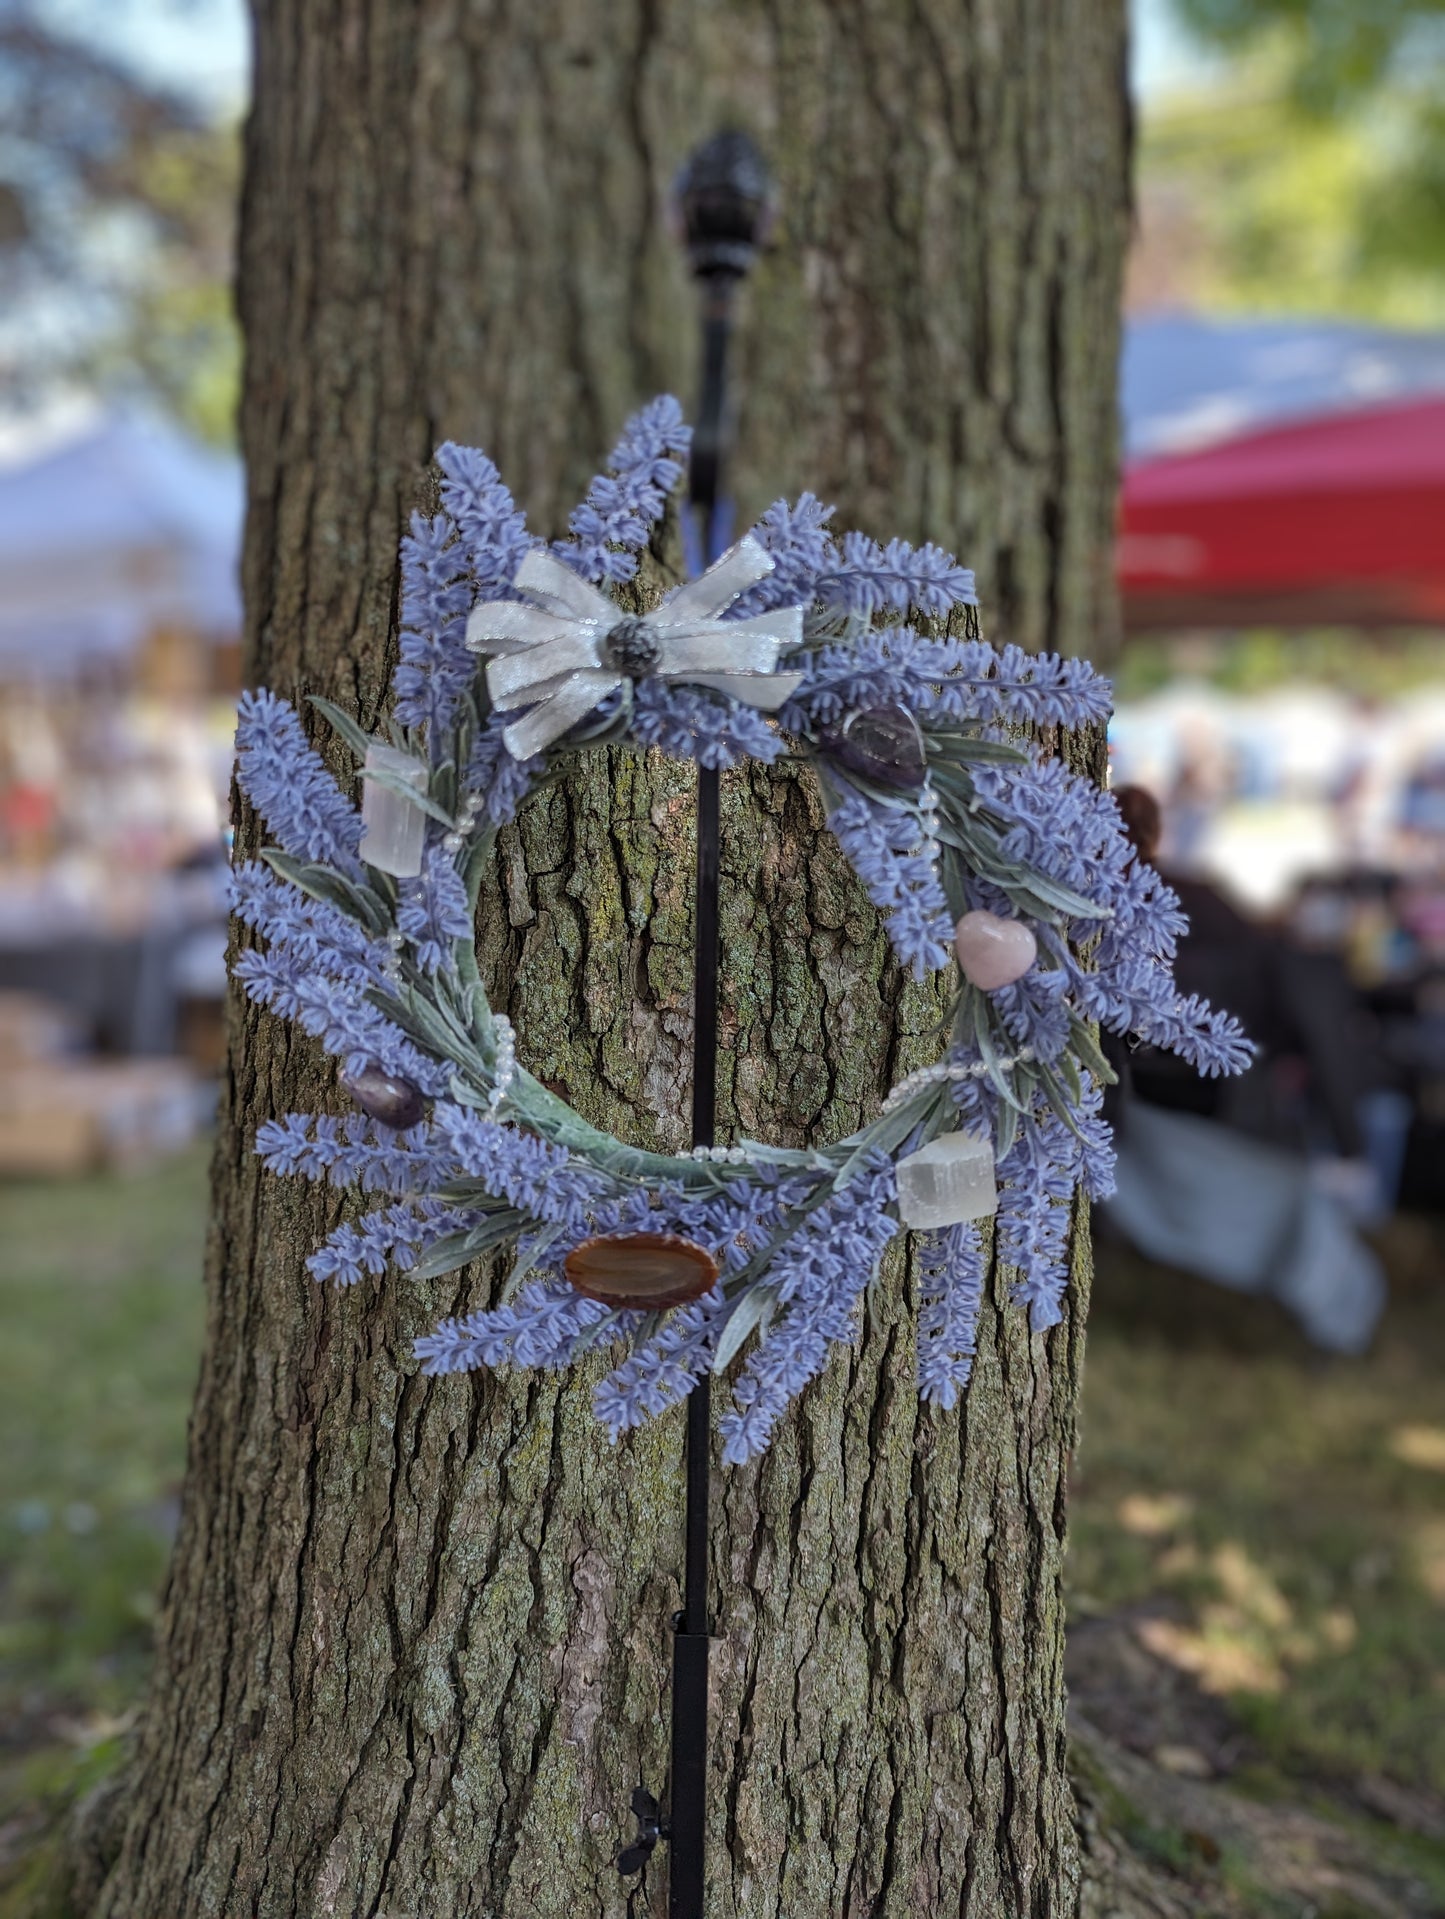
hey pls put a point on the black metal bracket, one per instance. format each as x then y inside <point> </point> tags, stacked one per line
<point>650,1828</point>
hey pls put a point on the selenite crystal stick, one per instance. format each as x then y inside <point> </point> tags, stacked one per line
<point>393,829</point>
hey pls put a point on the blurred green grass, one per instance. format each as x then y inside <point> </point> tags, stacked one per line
<point>1267,1525</point>
<point>101,1311</point>
<point>1272,1523</point>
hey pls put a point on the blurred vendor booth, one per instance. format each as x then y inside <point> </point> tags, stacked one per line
<point>119,661</point>
<point>1281,562</point>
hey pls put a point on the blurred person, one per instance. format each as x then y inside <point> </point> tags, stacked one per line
<point>1422,805</point>
<point>1317,1053</point>
<point>1220,1182</point>
<point>1207,774</point>
<point>1353,792</point>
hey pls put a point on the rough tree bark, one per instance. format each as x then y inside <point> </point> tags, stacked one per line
<point>414,1649</point>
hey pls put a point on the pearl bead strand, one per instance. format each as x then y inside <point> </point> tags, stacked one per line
<point>505,1068</point>
<point>949,1072</point>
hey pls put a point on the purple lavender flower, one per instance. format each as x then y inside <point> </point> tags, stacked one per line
<point>624,504</point>
<point>1037,689</point>
<point>951,1291</point>
<point>895,667</point>
<point>538,1178</point>
<point>882,846</point>
<point>819,1276</point>
<point>1041,1172</point>
<point>436,669</point>
<point>662,1372</point>
<point>353,1151</point>
<point>492,531</point>
<point>395,1237</point>
<point>433,910</point>
<point>335,1012</point>
<point>946,681</point>
<point>898,578</point>
<point>315,933</point>
<point>1035,1011</point>
<point>801,548</point>
<point>855,575</point>
<point>1070,831</point>
<point>285,780</point>
<point>541,1328</point>
<point>689,723</point>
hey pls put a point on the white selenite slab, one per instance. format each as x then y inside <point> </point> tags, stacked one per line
<point>946,1182</point>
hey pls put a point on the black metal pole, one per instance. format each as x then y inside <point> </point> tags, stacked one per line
<point>723,197</point>
<point>691,1638</point>
<point>688,1810</point>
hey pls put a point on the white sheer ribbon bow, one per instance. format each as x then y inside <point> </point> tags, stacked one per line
<point>565,647</point>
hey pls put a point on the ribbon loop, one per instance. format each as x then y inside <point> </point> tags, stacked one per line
<point>547,651</point>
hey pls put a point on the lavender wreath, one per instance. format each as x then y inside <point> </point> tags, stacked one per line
<point>967,838</point>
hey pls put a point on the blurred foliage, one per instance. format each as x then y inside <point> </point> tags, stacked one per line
<point>1311,176</point>
<point>1337,49</point>
<point>179,337</point>
<point>117,215</point>
<point>1374,665</point>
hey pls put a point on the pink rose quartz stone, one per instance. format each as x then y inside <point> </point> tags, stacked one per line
<point>992,951</point>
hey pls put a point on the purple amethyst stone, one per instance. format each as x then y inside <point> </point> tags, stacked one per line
<point>882,744</point>
<point>383,1097</point>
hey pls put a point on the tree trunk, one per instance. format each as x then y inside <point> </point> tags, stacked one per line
<point>415,1647</point>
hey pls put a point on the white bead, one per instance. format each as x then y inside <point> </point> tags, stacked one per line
<point>453,843</point>
<point>947,1182</point>
<point>393,830</point>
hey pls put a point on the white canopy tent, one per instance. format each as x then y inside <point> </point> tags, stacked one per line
<point>115,526</point>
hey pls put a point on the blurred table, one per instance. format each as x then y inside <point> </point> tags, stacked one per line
<point>118,972</point>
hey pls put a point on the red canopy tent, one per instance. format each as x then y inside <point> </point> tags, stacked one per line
<point>1333,521</point>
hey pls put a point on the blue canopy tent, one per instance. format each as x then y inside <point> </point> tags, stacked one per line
<point>1187,383</point>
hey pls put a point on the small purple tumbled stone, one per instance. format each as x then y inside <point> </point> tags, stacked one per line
<point>993,952</point>
<point>883,743</point>
<point>383,1097</point>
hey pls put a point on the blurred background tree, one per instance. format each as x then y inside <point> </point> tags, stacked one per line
<point>117,217</point>
<point>1303,168</point>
